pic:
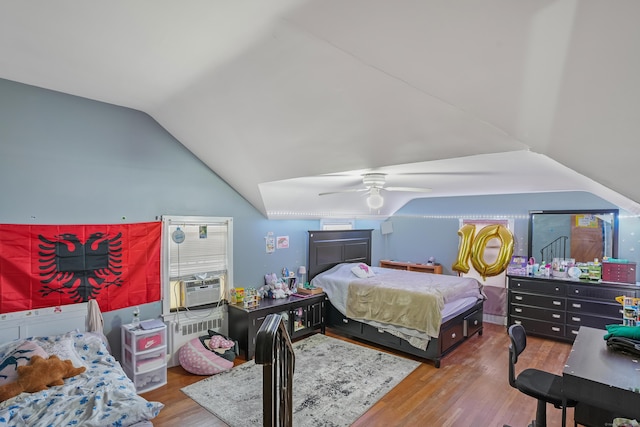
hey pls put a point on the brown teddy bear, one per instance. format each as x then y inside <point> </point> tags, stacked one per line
<point>40,374</point>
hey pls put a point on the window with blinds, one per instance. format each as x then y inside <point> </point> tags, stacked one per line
<point>195,248</point>
<point>337,224</point>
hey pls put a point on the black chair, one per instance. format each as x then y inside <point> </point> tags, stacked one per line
<point>544,386</point>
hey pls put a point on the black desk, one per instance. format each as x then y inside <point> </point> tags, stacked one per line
<point>603,381</point>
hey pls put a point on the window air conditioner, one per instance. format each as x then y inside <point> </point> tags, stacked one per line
<point>195,292</point>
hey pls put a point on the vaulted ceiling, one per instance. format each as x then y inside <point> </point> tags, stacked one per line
<point>461,96</point>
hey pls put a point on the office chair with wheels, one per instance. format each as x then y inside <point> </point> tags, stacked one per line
<point>544,386</point>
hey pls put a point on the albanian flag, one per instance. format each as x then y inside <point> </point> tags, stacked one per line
<point>50,265</point>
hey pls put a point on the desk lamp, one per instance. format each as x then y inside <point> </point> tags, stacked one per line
<point>302,271</point>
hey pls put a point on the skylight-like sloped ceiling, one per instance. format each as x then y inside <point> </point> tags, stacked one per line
<point>533,96</point>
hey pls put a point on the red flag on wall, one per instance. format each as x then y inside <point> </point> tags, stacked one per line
<point>49,265</point>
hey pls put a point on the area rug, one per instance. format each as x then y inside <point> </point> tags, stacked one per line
<point>334,383</point>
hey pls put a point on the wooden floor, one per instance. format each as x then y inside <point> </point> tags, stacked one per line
<point>471,388</point>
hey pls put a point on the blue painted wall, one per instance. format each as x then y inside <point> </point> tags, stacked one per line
<point>428,227</point>
<point>65,159</point>
<point>70,160</point>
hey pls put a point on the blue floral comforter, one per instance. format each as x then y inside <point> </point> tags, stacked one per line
<point>102,396</point>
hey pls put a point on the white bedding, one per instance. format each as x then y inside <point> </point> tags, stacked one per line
<point>102,396</point>
<point>335,283</point>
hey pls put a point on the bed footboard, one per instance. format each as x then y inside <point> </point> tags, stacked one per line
<point>452,333</point>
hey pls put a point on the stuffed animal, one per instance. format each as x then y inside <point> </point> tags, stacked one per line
<point>38,375</point>
<point>278,290</point>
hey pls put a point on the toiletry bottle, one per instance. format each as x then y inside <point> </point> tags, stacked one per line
<point>136,316</point>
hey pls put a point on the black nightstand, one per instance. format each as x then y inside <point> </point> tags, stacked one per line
<point>303,316</point>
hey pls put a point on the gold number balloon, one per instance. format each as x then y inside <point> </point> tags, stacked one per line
<point>466,233</point>
<point>474,248</point>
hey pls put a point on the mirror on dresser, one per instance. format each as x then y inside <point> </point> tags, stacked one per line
<point>582,235</point>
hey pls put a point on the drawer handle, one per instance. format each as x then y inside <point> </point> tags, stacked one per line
<point>576,319</point>
<point>574,332</point>
<point>577,291</point>
<point>555,316</point>
<point>518,322</point>
<point>557,289</point>
<point>475,322</point>
<point>577,305</point>
<point>518,297</point>
<point>517,310</point>
<point>380,331</point>
<point>453,335</point>
<point>557,303</point>
<point>621,311</point>
<point>555,329</point>
<point>345,320</point>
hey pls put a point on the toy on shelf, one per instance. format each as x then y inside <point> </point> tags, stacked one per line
<point>236,295</point>
<point>630,310</point>
<point>289,277</point>
<point>274,287</point>
<point>251,298</point>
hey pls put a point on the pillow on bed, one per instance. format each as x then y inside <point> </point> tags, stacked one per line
<point>363,271</point>
<point>18,357</point>
<point>62,346</point>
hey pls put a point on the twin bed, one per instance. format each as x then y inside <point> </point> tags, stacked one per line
<point>422,314</point>
<point>101,396</point>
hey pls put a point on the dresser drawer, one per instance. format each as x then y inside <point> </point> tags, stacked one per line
<point>536,286</point>
<point>451,336</point>
<point>539,327</point>
<point>601,293</point>
<point>548,315</point>
<point>594,307</point>
<point>598,322</point>
<point>542,301</point>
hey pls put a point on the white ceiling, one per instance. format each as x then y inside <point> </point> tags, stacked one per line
<point>512,96</point>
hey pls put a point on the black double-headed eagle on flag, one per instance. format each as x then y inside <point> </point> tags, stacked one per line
<point>79,270</point>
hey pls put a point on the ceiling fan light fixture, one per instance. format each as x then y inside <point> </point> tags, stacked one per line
<point>374,180</point>
<point>375,200</point>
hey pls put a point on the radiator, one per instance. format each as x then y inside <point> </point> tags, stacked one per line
<point>180,330</point>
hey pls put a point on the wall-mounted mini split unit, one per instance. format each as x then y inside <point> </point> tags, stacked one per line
<point>196,292</point>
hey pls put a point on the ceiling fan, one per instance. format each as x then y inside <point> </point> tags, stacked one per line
<point>374,185</point>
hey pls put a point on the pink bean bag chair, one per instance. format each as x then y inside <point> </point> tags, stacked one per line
<point>199,360</point>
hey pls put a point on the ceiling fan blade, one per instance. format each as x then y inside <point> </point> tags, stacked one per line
<point>353,190</point>
<point>469,172</point>
<point>408,189</point>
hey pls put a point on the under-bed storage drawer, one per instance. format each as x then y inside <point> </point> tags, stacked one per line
<point>472,323</point>
<point>384,338</point>
<point>451,336</point>
<point>337,320</point>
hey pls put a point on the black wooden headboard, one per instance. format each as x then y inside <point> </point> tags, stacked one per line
<point>328,248</point>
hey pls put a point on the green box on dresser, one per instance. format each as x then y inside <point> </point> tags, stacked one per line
<point>557,307</point>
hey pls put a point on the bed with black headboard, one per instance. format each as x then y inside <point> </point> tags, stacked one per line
<point>328,249</point>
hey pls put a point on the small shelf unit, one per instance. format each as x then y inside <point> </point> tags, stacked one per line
<point>144,356</point>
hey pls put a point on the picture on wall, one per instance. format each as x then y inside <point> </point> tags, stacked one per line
<point>283,242</point>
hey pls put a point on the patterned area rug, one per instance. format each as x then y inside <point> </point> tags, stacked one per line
<point>334,383</point>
